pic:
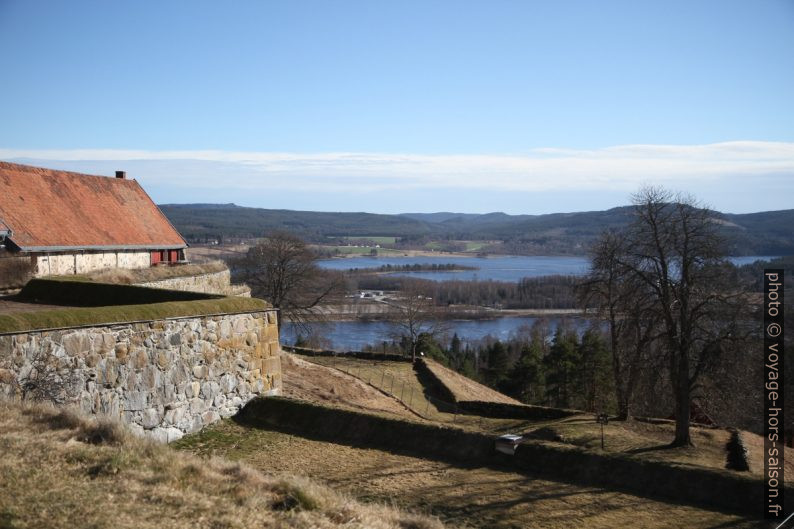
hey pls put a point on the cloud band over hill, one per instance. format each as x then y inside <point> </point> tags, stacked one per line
<point>749,168</point>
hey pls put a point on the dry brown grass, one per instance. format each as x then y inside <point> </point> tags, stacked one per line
<point>144,275</point>
<point>461,496</point>
<point>651,441</point>
<point>641,439</point>
<point>61,470</point>
<point>464,388</point>
<point>316,383</point>
<point>399,380</point>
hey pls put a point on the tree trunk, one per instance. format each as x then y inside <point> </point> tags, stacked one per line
<point>622,394</point>
<point>682,405</point>
<point>623,406</point>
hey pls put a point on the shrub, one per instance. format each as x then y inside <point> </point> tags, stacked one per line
<point>15,271</point>
<point>737,454</point>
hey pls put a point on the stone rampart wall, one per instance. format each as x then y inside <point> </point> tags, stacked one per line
<point>213,283</point>
<point>165,378</point>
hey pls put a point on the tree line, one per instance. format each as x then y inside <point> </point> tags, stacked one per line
<point>563,367</point>
<point>547,292</point>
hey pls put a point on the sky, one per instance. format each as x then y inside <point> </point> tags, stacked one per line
<point>473,106</point>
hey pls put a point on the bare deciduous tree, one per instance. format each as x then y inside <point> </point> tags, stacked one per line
<point>628,311</point>
<point>670,272</point>
<point>283,270</point>
<point>415,315</point>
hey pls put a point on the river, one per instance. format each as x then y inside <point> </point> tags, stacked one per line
<point>509,268</point>
<point>354,335</point>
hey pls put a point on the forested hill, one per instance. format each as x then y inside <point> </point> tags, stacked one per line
<point>765,233</point>
<point>197,221</point>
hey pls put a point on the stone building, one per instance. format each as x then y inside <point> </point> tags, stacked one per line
<point>73,223</point>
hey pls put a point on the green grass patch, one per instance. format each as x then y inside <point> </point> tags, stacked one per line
<point>474,246</point>
<point>349,250</point>
<point>375,239</point>
<point>88,303</point>
<point>83,316</point>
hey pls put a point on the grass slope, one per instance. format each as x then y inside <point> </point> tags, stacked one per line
<point>462,496</point>
<point>400,381</point>
<point>635,438</point>
<point>466,389</point>
<point>60,470</point>
<point>108,303</point>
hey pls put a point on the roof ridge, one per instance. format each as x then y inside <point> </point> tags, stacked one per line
<point>40,170</point>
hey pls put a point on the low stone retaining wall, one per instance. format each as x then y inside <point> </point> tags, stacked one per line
<point>164,377</point>
<point>721,489</point>
<point>212,283</point>
<point>370,431</point>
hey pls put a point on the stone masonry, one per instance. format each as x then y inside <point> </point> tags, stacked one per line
<point>212,283</point>
<point>164,378</point>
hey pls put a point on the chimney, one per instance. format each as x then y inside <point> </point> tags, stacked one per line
<point>121,174</point>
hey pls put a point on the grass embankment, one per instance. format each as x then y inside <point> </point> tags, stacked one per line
<point>400,380</point>
<point>637,439</point>
<point>126,276</point>
<point>464,389</point>
<point>461,495</point>
<point>311,382</point>
<point>105,303</point>
<point>473,398</point>
<point>61,470</point>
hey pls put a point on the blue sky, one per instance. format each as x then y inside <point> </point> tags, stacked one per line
<point>518,106</point>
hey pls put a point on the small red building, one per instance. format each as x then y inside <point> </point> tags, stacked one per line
<point>71,223</point>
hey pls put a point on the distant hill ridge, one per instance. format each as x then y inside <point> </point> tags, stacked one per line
<point>762,233</point>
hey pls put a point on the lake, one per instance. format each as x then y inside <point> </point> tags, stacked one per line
<point>354,335</point>
<point>509,268</point>
<point>499,268</point>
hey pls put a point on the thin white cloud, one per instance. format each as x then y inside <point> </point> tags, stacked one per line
<point>618,168</point>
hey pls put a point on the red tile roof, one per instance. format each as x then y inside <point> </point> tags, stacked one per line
<point>54,210</point>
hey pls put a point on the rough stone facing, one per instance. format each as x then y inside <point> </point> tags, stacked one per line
<point>165,378</point>
<point>212,283</point>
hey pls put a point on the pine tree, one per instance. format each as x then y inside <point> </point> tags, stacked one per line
<point>498,363</point>
<point>525,381</point>
<point>595,374</point>
<point>562,368</point>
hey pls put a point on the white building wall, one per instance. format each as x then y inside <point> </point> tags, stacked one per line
<point>84,262</point>
<point>134,260</point>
